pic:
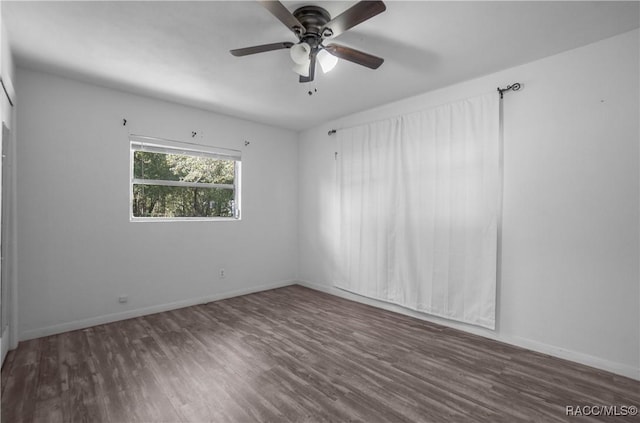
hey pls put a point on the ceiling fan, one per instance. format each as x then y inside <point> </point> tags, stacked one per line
<point>312,25</point>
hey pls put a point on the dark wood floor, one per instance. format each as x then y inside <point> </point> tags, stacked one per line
<point>293,355</point>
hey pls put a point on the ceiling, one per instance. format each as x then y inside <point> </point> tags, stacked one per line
<point>179,51</point>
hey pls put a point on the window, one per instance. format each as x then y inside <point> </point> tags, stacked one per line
<point>181,181</point>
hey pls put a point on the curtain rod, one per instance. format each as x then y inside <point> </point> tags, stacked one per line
<point>513,87</point>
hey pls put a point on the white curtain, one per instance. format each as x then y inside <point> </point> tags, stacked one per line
<point>419,202</point>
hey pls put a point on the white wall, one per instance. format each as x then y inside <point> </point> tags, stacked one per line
<point>570,277</point>
<point>77,249</point>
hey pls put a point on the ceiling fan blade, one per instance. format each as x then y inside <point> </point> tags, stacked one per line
<point>355,56</point>
<point>260,49</point>
<point>312,70</point>
<point>353,16</point>
<point>278,10</point>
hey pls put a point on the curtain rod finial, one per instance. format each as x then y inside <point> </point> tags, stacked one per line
<point>513,87</point>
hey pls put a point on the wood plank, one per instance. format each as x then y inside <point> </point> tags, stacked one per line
<point>48,407</point>
<point>22,383</point>
<point>77,384</point>
<point>6,366</point>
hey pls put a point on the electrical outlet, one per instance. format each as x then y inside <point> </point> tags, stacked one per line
<point>123,299</point>
<point>222,274</point>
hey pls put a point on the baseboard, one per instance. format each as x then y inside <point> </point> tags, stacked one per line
<point>599,363</point>
<point>578,357</point>
<point>129,314</point>
<point>575,356</point>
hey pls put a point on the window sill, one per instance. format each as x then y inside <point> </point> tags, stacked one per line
<point>183,219</point>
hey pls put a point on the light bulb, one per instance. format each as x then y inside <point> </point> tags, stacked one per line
<point>300,53</point>
<point>327,60</point>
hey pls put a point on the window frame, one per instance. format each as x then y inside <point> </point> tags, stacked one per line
<point>165,146</point>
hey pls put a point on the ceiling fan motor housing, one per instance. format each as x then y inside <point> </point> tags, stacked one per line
<point>313,18</point>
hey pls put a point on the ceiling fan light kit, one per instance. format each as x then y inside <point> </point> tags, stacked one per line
<point>327,61</point>
<point>300,53</point>
<point>312,25</point>
<point>301,69</point>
